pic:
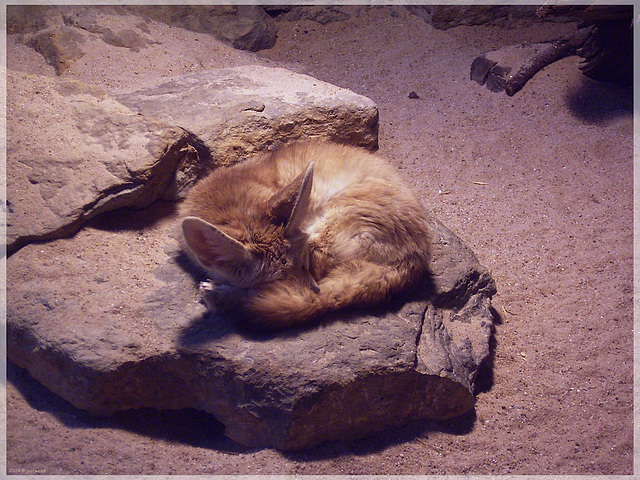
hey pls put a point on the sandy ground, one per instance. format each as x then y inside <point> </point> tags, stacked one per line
<point>539,185</point>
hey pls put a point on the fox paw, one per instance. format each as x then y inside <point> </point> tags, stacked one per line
<point>219,297</point>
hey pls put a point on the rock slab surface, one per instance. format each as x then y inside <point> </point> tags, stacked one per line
<point>60,30</point>
<point>246,27</point>
<point>74,151</point>
<point>110,321</point>
<point>237,112</point>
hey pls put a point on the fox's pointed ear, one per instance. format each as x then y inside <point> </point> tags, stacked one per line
<point>211,246</point>
<point>301,206</point>
<point>291,203</point>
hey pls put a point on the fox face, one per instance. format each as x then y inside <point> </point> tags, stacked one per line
<point>267,246</point>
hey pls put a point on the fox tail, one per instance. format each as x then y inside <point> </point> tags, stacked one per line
<point>356,283</point>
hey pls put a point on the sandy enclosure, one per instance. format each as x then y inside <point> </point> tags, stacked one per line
<point>539,185</point>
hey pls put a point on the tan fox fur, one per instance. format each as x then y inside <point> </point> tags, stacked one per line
<point>306,229</point>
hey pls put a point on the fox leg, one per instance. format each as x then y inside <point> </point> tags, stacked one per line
<point>221,297</point>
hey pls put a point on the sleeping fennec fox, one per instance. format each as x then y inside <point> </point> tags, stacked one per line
<point>306,229</point>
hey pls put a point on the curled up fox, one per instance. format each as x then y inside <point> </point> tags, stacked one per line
<point>306,229</point>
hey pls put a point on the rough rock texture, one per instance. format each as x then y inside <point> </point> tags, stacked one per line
<point>31,18</point>
<point>84,18</point>
<point>323,14</point>
<point>110,321</point>
<point>59,33</point>
<point>73,151</point>
<point>246,27</point>
<point>125,39</point>
<point>448,16</point>
<point>237,112</point>
<point>60,46</point>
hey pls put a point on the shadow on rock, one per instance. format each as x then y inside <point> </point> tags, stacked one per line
<point>202,330</point>
<point>128,219</point>
<point>213,326</point>
<point>187,426</point>
<point>199,429</point>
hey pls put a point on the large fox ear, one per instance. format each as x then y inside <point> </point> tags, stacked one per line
<point>211,246</point>
<point>291,203</point>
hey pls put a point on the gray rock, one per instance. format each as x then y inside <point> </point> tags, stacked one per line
<point>124,38</point>
<point>237,112</point>
<point>246,27</point>
<point>58,32</point>
<point>110,321</point>
<point>85,18</point>
<point>74,152</point>
<point>70,28</point>
<point>60,46</point>
<point>449,16</point>
<point>28,19</point>
<point>322,14</point>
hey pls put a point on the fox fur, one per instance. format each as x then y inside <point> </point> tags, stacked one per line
<point>306,229</point>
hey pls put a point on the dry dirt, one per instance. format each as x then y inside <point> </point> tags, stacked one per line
<point>539,185</point>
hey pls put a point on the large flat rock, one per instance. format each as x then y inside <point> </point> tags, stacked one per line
<point>74,151</point>
<point>110,320</point>
<point>237,112</point>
